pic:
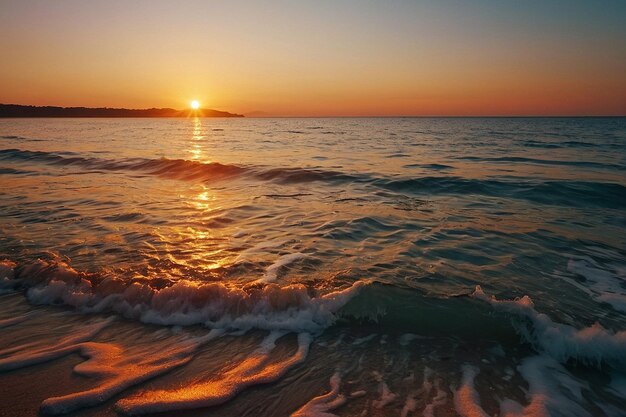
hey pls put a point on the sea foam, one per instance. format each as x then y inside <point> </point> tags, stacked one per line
<point>552,392</point>
<point>593,344</point>
<point>255,369</point>
<point>323,405</point>
<point>214,304</point>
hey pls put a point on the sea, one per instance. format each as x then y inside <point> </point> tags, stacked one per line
<point>313,267</point>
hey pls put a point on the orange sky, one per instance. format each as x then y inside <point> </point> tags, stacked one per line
<point>297,58</point>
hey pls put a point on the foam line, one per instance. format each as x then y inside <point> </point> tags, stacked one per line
<point>551,391</point>
<point>466,398</point>
<point>604,283</point>
<point>252,371</point>
<point>31,354</point>
<point>215,304</point>
<point>272,271</point>
<point>322,405</point>
<point>119,371</point>
<point>593,345</point>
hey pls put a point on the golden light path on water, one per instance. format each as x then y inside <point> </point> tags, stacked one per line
<point>197,137</point>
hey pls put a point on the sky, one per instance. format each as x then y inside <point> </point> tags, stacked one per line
<point>319,58</point>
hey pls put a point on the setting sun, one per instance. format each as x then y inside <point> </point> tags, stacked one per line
<point>195,104</point>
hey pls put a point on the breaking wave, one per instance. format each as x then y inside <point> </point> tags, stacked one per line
<point>593,345</point>
<point>214,304</point>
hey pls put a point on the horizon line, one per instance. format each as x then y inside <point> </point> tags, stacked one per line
<point>255,114</point>
<point>450,116</point>
<point>243,116</point>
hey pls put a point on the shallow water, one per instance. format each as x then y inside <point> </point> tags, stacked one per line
<point>313,267</point>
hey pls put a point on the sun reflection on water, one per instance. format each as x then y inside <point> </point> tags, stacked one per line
<point>196,140</point>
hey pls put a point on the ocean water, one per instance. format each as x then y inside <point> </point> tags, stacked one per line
<point>313,267</point>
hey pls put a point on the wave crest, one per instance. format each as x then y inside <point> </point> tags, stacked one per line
<point>214,304</point>
<point>593,344</point>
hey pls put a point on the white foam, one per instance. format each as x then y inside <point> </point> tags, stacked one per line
<point>215,304</point>
<point>593,344</point>
<point>603,282</point>
<point>255,369</point>
<point>466,398</point>
<point>322,405</point>
<point>33,353</point>
<point>115,368</point>
<point>364,339</point>
<point>119,370</point>
<point>551,391</point>
<point>271,273</point>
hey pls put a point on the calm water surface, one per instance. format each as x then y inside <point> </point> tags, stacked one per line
<point>314,267</point>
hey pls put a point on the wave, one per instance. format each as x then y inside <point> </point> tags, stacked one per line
<point>14,171</point>
<point>216,305</point>
<point>168,168</point>
<point>303,175</point>
<point>592,345</point>
<point>306,312</point>
<point>552,389</point>
<point>20,138</point>
<point>436,167</point>
<point>603,282</point>
<point>296,308</point>
<point>406,310</point>
<point>570,144</point>
<point>517,159</point>
<point>541,144</point>
<point>180,169</point>
<point>563,193</point>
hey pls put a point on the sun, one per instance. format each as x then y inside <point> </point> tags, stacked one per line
<point>195,104</point>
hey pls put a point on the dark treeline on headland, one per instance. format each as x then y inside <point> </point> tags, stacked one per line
<point>15,110</point>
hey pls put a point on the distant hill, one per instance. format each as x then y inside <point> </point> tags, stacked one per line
<point>15,110</point>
